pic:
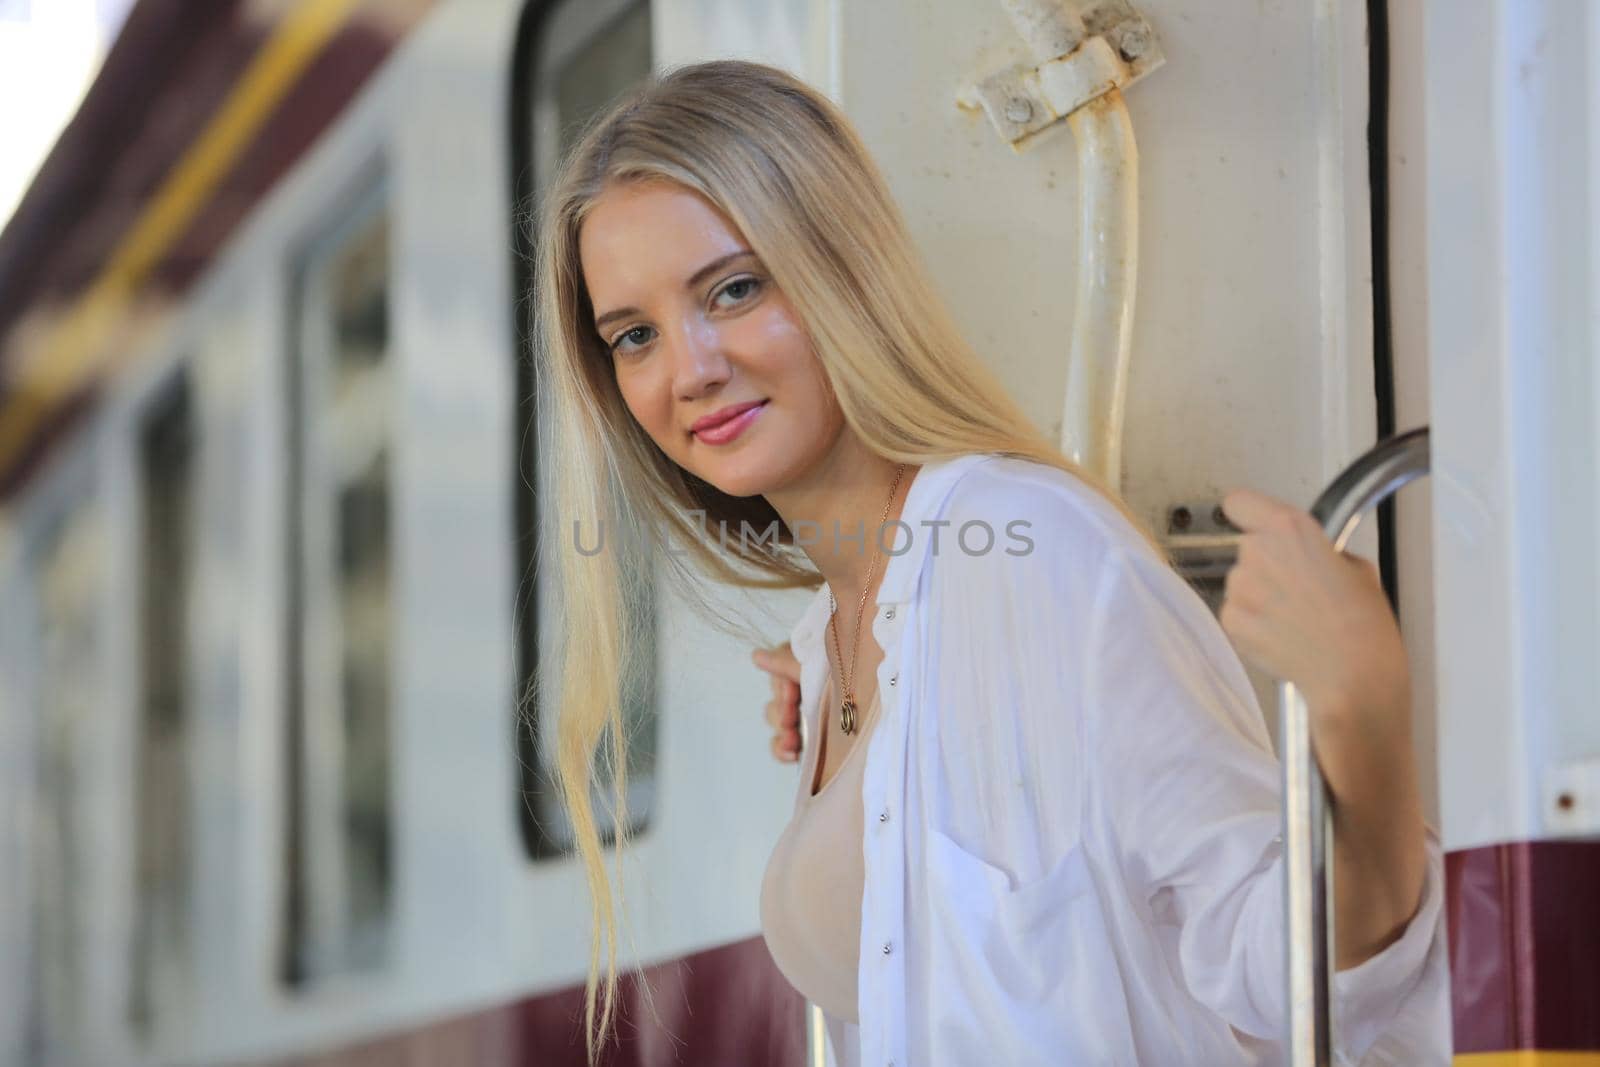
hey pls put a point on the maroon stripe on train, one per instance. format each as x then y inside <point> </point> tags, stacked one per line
<point>1524,928</point>
<point>172,66</point>
<point>724,1007</point>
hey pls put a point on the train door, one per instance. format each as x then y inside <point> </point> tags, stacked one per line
<point>1259,351</point>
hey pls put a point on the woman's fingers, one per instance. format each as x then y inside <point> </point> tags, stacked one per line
<point>783,710</point>
<point>1251,511</point>
<point>778,661</point>
<point>1306,612</point>
<point>786,747</point>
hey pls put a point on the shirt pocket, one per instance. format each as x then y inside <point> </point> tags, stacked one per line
<point>1028,972</point>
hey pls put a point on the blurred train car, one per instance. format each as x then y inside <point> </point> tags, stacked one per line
<point>271,480</point>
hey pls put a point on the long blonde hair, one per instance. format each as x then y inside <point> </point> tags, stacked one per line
<point>784,165</point>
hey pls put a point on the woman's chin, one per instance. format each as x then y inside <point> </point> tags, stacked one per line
<point>741,476</point>
<point>737,485</point>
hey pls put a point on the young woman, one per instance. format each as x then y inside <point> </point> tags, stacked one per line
<point>1039,821</point>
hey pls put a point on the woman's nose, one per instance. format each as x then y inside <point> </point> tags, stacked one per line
<point>699,364</point>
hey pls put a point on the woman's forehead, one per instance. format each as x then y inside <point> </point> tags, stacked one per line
<point>641,209</point>
<point>643,234</point>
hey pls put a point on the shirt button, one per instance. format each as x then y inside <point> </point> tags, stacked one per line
<point>888,613</point>
<point>883,816</point>
<point>893,678</point>
<point>886,948</point>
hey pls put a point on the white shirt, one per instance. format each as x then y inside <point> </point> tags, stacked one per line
<point>1072,840</point>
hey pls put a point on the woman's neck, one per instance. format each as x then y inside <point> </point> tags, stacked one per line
<point>838,509</point>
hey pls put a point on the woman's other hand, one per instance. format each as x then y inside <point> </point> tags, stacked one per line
<point>783,710</point>
<point>1319,618</point>
<point>1312,615</point>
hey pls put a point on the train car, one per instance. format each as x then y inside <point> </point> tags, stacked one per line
<point>269,586</point>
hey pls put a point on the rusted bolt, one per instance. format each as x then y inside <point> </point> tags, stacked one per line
<point>1181,518</point>
<point>1018,110</point>
<point>1133,42</point>
<point>1566,801</point>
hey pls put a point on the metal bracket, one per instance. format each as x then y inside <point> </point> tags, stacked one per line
<point>1203,545</point>
<point>1080,54</point>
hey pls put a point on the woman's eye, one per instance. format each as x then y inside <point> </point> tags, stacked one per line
<point>737,291</point>
<point>628,340</point>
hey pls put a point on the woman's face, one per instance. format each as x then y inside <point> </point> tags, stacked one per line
<point>698,332</point>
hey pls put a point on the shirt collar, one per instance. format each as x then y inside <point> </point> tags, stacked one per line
<point>910,541</point>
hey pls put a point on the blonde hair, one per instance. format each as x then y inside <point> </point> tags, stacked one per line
<point>784,165</point>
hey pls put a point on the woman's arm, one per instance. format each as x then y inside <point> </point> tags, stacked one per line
<point>1319,618</point>
<point>1185,771</point>
<point>1088,698</point>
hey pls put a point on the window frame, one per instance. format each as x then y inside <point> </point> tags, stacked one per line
<point>550,32</point>
<point>330,440</point>
<point>176,390</point>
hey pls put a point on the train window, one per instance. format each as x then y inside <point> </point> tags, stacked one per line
<point>66,564</point>
<point>160,945</point>
<point>584,54</point>
<point>339,840</point>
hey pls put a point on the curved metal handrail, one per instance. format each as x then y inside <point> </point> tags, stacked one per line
<point>1308,826</point>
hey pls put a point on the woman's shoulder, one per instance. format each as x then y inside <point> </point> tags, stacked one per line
<point>1045,510</point>
<point>1078,530</point>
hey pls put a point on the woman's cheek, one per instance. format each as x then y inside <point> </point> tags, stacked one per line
<point>650,405</point>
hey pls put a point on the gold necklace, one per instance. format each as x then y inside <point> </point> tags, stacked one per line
<point>847,709</point>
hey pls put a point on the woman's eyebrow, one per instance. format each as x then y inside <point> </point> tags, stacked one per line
<point>694,279</point>
<point>715,265</point>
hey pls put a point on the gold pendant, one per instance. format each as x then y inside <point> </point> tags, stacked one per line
<point>847,716</point>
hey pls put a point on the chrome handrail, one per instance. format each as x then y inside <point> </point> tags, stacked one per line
<point>1308,824</point>
<point>816,1036</point>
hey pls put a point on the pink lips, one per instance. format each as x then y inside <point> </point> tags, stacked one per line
<point>723,432</point>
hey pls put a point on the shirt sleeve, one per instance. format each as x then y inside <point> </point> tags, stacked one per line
<point>1184,773</point>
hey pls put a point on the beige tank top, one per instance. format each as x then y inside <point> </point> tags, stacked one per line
<point>811,892</point>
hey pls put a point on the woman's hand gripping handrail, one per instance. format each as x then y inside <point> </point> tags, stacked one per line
<point>1308,827</point>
